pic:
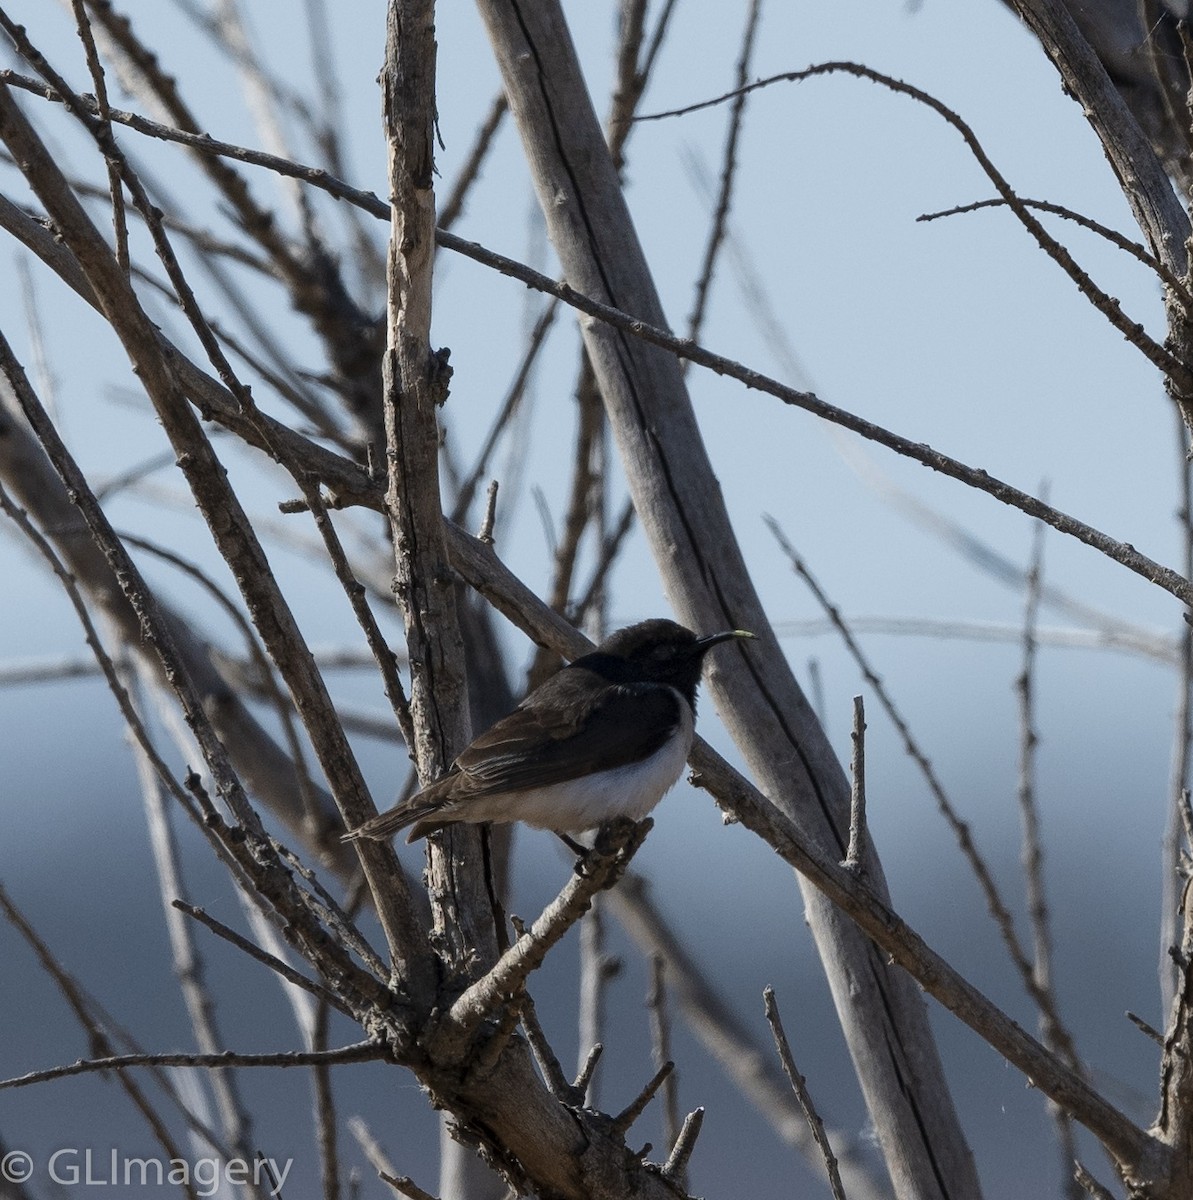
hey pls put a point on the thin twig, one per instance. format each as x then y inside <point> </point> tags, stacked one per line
<point>263,96</point>
<point>1120,552</point>
<point>633,1110</point>
<point>715,1020</point>
<point>657,38</point>
<point>95,67</point>
<point>545,1056</point>
<point>1090,1185</point>
<point>453,205</point>
<point>485,533</point>
<point>107,667</point>
<point>630,82</point>
<point>1142,643</point>
<point>1158,355</point>
<point>505,413</point>
<point>42,372</point>
<point>188,962</point>
<point>615,844</point>
<point>583,506</point>
<point>610,547</point>
<point>406,1186</point>
<point>800,1086</point>
<point>857,789</point>
<point>327,909</point>
<point>97,1035</point>
<point>597,968</point>
<point>1149,1031</point>
<point>676,1166</point>
<point>1032,849</point>
<point>378,1159</point>
<point>1103,231</point>
<point>998,908</point>
<point>271,961</point>
<point>816,682</point>
<point>264,669</point>
<point>716,233</point>
<point>660,1044</point>
<point>387,663</point>
<point>357,1052</point>
<point>325,1106</point>
<point>583,1080</point>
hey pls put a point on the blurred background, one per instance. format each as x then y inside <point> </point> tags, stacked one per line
<point>957,332</point>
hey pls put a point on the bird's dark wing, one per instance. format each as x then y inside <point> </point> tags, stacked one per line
<point>554,736</point>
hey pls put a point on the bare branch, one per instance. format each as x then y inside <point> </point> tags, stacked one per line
<point>676,1166</point>
<point>637,1107</point>
<point>1173,876</point>
<point>857,793</point>
<point>1033,855</point>
<point>453,206</point>
<point>546,1058</point>
<point>1148,1031</point>
<point>98,1038</point>
<point>615,844</point>
<point>1146,184</point>
<point>357,1052</point>
<point>271,961</point>
<point>800,1086</point>
<point>583,1080</point>
<point>1121,552</point>
<point>660,1042</point>
<point>188,962</point>
<point>1103,231</point>
<point>226,519</point>
<point>406,1186</point>
<point>1001,913</point>
<point>596,971</point>
<point>1087,1182</point>
<point>1172,367</point>
<point>119,219</point>
<point>720,218</point>
<point>387,664</point>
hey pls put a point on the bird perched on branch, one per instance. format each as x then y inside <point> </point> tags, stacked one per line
<point>607,736</point>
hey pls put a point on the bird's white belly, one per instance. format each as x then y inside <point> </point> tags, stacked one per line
<point>585,803</point>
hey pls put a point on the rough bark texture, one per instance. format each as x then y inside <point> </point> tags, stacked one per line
<point>679,503</point>
<point>414,382</point>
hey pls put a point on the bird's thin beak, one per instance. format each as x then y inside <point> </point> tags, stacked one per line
<point>714,639</point>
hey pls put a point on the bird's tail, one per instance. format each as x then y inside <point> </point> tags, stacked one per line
<point>425,804</point>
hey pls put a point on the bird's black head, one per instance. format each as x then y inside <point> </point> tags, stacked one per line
<point>658,651</point>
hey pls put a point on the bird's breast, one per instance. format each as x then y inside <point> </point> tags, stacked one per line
<point>626,791</point>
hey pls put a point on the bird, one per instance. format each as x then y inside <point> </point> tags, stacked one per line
<point>604,737</point>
